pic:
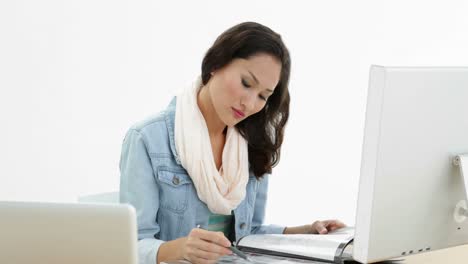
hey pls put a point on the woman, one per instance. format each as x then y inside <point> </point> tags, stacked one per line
<point>197,173</point>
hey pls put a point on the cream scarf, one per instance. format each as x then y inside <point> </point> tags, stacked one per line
<point>221,190</point>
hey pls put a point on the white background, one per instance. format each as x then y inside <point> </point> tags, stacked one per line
<point>75,75</point>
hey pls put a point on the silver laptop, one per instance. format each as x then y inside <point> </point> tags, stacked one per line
<point>53,233</point>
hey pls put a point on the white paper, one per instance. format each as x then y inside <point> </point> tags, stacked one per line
<point>254,259</point>
<point>263,259</point>
<point>315,246</point>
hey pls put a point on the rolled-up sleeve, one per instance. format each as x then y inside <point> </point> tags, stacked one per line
<point>138,188</point>
<point>259,211</point>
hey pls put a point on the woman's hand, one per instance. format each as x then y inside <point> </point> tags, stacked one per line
<point>323,227</point>
<point>202,246</point>
<point>318,227</point>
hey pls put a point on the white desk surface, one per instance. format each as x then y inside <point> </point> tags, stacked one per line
<point>454,255</point>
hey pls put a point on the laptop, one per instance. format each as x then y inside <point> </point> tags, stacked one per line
<point>58,233</point>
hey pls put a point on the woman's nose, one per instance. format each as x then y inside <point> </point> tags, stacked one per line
<point>249,101</point>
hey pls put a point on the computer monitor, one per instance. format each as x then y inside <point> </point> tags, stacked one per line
<point>411,187</point>
<point>55,233</point>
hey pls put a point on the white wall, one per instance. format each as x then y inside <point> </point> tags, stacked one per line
<point>75,75</point>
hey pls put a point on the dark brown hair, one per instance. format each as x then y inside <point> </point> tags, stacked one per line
<point>264,130</point>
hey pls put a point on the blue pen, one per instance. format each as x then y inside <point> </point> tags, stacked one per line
<point>234,250</point>
<point>239,253</point>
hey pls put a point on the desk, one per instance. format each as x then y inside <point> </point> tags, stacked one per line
<point>454,255</point>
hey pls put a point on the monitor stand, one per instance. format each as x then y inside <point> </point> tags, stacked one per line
<point>461,209</point>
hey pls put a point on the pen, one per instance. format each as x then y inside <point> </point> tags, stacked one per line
<point>239,253</point>
<point>234,250</point>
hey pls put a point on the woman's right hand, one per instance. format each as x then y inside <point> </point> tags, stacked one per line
<point>205,247</point>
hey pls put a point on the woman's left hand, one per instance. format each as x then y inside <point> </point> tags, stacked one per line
<point>323,227</point>
<point>318,227</point>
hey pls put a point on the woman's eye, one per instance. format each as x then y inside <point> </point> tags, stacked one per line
<point>245,83</point>
<point>262,97</point>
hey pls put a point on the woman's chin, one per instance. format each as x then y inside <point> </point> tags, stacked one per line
<point>231,123</point>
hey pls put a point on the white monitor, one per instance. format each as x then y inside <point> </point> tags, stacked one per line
<point>411,189</point>
<point>52,233</point>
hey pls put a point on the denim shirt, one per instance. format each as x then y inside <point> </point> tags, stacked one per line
<point>153,180</point>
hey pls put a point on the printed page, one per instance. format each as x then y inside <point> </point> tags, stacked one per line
<point>253,258</point>
<point>315,246</point>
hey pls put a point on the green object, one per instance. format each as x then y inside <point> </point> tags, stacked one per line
<point>221,223</point>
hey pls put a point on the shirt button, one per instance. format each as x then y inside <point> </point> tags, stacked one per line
<point>242,226</point>
<point>175,180</point>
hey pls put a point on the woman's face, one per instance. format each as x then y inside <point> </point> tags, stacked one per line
<point>242,87</point>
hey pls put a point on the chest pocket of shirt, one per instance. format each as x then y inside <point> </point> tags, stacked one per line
<point>173,191</point>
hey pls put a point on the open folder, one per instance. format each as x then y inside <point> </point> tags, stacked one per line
<point>334,247</point>
<point>325,248</point>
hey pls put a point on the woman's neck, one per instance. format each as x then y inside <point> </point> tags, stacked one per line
<point>216,127</point>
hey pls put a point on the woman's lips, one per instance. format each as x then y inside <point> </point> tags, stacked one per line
<point>238,113</point>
